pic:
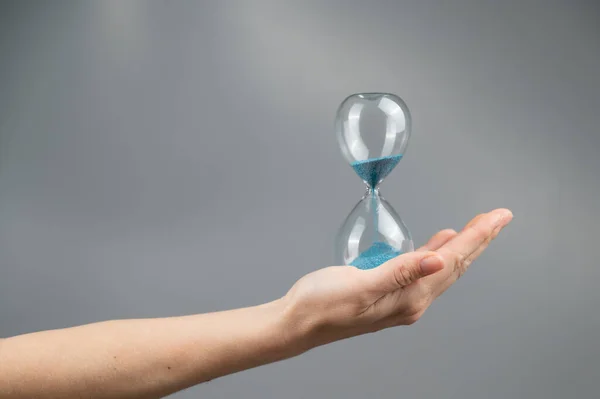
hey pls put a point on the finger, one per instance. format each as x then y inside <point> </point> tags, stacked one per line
<point>441,288</point>
<point>460,251</point>
<point>487,242</point>
<point>475,235</point>
<point>462,245</point>
<point>391,284</point>
<point>438,240</point>
<point>475,220</point>
<point>404,270</point>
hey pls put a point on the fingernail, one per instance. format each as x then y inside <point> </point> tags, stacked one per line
<point>431,264</point>
<point>503,218</point>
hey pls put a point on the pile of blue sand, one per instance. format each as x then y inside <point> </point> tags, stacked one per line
<point>373,170</point>
<point>377,254</point>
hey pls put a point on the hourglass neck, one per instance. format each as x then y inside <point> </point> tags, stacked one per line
<point>372,190</point>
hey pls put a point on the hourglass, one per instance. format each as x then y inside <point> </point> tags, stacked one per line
<point>373,131</point>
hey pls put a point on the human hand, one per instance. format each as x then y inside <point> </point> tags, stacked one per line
<point>342,301</point>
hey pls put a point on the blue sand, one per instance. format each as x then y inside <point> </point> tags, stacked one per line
<point>377,254</point>
<point>373,170</point>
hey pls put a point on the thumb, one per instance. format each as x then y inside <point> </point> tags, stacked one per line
<point>405,269</point>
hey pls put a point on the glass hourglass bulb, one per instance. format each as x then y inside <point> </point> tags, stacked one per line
<point>373,130</point>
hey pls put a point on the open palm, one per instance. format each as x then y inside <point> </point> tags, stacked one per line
<point>343,301</point>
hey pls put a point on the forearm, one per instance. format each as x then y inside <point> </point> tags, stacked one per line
<point>143,358</point>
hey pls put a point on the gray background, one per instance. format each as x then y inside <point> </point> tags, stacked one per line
<point>166,158</point>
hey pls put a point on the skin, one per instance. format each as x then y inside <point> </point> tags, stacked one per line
<point>152,358</point>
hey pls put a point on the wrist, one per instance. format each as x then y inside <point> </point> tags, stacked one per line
<point>298,326</point>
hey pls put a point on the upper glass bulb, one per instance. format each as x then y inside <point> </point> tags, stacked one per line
<point>373,130</point>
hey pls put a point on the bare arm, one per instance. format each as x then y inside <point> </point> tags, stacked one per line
<point>147,358</point>
<point>155,357</point>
